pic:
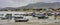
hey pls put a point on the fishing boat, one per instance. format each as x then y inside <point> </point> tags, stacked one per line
<point>20,19</point>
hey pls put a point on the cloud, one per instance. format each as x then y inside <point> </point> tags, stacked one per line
<point>12,3</point>
<point>18,3</point>
<point>34,1</point>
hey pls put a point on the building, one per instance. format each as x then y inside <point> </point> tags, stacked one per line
<point>42,13</point>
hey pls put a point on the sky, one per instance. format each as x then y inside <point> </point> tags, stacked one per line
<point>19,3</point>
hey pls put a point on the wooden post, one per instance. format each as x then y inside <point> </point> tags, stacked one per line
<point>55,16</point>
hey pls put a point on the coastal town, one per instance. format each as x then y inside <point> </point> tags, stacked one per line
<point>29,12</point>
<point>41,15</point>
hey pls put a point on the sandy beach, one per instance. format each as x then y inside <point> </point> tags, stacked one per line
<point>26,23</point>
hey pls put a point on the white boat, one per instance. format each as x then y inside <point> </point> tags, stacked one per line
<point>12,14</point>
<point>20,19</point>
